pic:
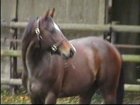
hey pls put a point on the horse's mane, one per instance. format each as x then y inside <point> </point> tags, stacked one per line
<point>27,37</point>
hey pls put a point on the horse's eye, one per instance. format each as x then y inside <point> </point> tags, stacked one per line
<point>52,30</point>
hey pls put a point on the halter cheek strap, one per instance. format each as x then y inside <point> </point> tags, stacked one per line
<point>37,30</point>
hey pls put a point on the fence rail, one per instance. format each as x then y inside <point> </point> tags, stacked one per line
<point>127,46</point>
<point>117,45</point>
<point>127,87</point>
<point>11,81</point>
<point>17,53</point>
<point>13,53</point>
<point>82,27</point>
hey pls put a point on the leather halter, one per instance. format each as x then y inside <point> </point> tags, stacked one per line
<point>55,46</point>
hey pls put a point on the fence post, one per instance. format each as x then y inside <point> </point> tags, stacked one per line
<point>13,60</point>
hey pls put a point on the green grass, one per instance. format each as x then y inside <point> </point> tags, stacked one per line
<point>22,98</point>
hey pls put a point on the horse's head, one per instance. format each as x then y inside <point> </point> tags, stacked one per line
<point>51,37</point>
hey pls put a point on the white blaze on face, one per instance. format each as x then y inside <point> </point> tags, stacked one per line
<point>73,48</point>
<point>56,26</point>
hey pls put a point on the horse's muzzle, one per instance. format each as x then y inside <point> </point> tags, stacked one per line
<point>69,52</point>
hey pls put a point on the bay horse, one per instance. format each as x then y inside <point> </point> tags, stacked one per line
<point>55,67</point>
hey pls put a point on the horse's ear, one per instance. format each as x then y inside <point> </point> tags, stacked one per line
<point>52,12</point>
<point>47,14</point>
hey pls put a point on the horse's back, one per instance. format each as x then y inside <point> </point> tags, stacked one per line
<point>103,47</point>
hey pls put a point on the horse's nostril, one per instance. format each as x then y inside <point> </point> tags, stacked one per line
<point>72,52</point>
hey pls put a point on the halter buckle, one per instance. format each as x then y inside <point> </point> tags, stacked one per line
<point>37,31</point>
<point>54,48</point>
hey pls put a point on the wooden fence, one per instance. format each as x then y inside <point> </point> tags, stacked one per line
<point>80,27</point>
<point>83,27</point>
<point>17,53</point>
<point>127,87</point>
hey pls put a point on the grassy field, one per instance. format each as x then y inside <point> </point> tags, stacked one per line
<point>22,98</point>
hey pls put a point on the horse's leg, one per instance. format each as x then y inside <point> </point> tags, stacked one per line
<point>109,95</point>
<point>86,98</point>
<point>37,100</point>
<point>50,98</point>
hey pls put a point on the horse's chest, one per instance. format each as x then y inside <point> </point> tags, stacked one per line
<point>35,87</point>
